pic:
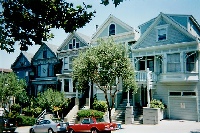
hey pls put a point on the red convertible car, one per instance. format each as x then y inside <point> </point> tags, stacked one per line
<point>92,126</point>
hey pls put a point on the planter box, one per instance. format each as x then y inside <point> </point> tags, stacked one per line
<point>152,116</point>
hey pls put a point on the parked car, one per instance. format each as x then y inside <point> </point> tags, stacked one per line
<point>91,125</point>
<point>49,126</point>
<point>8,124</point>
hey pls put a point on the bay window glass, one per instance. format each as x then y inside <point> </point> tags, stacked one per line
<point>66,63</point>
<point>191,62</point>
<point>173,62</point>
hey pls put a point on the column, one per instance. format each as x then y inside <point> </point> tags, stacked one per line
<point>63,85</point>
<point>148,88</point>
<point>128,103</point>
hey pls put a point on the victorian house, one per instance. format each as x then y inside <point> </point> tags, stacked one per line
<point>23,69</point>
<point>69,49</point>
<point>45,67</point>
<point>169,48</point>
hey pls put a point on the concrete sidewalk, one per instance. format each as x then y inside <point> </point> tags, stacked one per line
<point>165,126</point>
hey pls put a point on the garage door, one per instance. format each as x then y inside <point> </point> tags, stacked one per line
<point>183,108</point>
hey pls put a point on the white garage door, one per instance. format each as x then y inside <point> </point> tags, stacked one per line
<point>183,108</point>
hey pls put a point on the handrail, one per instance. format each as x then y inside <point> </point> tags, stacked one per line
<point>41,115</point>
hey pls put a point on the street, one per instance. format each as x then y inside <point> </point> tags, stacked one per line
<point>165,126</point>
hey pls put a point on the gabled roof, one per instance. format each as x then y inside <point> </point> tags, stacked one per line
<point>155,22</point>
<point>107,22</point>
<point>51,47</point>
<point>83,38</point>
<point>27,55</point>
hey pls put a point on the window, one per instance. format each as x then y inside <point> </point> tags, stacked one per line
<point>66,63</point>
<point>173,62</point>
<point>112,29</point>
<point>175,93</point>
<point>189,93</point>
<point>66,85</point>
<point>44,54</point>
<point>74,44</point>
<point>162,34</point>
<point>191,62</point>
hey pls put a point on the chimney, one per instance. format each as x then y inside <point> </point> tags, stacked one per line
<point>97,26</point>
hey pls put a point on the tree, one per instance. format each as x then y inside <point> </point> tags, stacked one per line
<point>105,65</point>
<point>29,21</point>
<point>115,2</point>
<point>11,86</point>
<point>53,100</point>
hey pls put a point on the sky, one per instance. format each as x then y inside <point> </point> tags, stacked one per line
<point>132,12</point>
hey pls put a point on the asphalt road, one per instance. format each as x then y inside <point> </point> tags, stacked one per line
<point>165,126</point>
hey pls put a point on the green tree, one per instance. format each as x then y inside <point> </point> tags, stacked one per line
<point>105,65</point>
<point>11,86</point>
<point>53,100</point>
<point>30,21</point>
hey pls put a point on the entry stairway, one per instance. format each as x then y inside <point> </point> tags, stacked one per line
<point>119,114</point>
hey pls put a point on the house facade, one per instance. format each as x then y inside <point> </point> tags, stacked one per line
<point>169,48</point>
<point>45,67</point>
<point>70,49</point>
<point>23,69</point>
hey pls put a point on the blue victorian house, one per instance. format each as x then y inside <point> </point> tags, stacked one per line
<point>45,67</point>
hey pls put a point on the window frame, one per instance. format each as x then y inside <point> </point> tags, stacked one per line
<point>190,55</point>
<point>175,63</point>
<point>110,32</point>
<point>66,64</point>
<point>74,44</point>
<point>160,28</point>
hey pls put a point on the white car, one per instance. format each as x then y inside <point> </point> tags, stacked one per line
<point>48,126</point>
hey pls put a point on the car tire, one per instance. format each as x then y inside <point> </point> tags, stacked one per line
<point>50,131</point>
<point>32,130</point>
<point>71,131</point>
<point>94,130</point>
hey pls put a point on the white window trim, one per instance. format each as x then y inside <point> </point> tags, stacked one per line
<point>76,41</point>
<point>162,27</point>
<point>66,64</point>
<point>189,96</point>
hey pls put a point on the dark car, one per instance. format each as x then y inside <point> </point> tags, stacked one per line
<point>7,124</point>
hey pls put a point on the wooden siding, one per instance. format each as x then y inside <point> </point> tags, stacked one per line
<point>118,29</point>
<point>173,36</point>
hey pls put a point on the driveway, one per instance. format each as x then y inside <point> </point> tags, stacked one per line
<point>165,126</point>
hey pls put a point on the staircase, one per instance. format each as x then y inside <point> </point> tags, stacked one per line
<point>138,115</point>
<point>41,116</point>
<point>119,115</point>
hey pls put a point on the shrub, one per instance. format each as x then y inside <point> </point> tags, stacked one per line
<point>25,120</point>
<point>100,106</point>
<point>90,113</point>
<point>156,104</point>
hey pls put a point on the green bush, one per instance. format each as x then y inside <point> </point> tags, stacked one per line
<point>32,112</point>
<point>156,104</point>
<point>90,113</point>
<point>25,120</point>
<point>100,106</point>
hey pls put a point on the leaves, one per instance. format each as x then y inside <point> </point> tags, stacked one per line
<point>29,21</point>
<point>52,100</point>
<point>10,86</point>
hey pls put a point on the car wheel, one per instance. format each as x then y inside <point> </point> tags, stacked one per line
<point>71,131</point>
<point>50,131</point>
<point>32,130</point>
<point>94,130</point>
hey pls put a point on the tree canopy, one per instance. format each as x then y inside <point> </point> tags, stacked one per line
<point>11,86</point>
<point>30,21</point>
<point>105,65</point>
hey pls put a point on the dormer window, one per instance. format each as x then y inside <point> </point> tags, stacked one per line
<point>74,44</point>
<point>162,32</point>
<point>112,29</point>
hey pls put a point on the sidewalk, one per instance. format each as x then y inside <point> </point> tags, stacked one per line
<point>165,126</point>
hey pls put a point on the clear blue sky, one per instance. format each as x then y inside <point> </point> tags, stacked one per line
<point>132,12</point>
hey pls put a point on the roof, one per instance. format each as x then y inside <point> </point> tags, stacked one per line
<point>29,56</point>
<point>5,70</point>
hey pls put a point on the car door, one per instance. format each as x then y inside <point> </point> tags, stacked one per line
<point>85,125</point>
<point>38,127</point>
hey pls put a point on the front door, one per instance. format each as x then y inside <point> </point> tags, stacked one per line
<point>143,96</point>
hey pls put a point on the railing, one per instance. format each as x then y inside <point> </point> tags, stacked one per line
<point>141,76</point>
<point>41,115</point>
